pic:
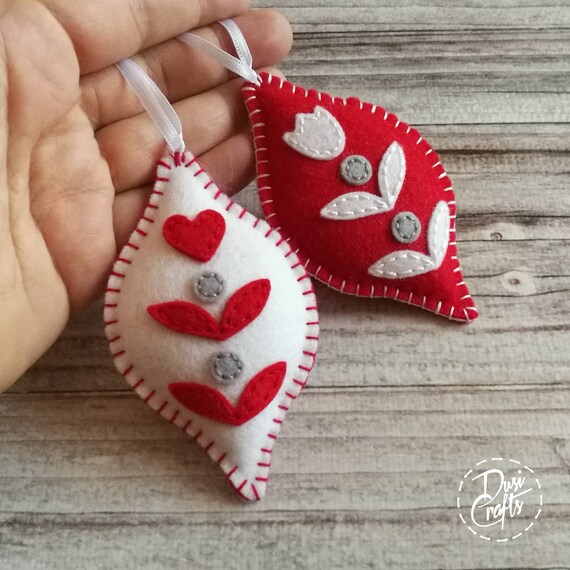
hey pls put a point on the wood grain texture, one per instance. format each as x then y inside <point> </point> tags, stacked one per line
<point>401,403</point>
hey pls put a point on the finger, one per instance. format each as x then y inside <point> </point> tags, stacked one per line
<point>231,165</point>
<point>181,71</point>
<point>105,31</point>
<point>4,7</point>
<point>131,147</point>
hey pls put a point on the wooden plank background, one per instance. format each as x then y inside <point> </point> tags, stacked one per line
<point>401,403</point>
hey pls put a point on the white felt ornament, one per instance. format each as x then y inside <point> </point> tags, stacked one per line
<point>212,319</point>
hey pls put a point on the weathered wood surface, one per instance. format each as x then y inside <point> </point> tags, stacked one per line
<point>401,403</point>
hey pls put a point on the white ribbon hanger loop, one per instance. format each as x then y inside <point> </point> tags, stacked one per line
<point>241,65</point>
<point>155,103</point>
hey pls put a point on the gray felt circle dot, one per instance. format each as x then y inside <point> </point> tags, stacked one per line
<point>406,227</point>
<point>356,170</point>
<point>209,285</point>
<point>227,366</point>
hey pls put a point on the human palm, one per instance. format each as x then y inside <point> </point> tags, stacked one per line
<point>77,151</point>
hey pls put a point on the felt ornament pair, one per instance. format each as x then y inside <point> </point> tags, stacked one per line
<point>210,312</point>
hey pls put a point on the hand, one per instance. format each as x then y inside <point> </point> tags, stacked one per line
<point>77,152</point>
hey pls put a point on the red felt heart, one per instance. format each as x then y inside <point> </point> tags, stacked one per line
<point>257,395</point>
<point>299,177</point>
<point>243,307</point>
<point>198,238</point>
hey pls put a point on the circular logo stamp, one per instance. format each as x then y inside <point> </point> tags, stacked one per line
<point>499,499</point>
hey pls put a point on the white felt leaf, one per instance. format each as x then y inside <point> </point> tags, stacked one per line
<point>438,233</point>
<point>354,205</point>
<point>401,264</point>
<point>392,173</point>
<point>317,135</point>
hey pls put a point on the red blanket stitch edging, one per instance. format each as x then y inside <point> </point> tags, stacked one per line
<point>249,490</point>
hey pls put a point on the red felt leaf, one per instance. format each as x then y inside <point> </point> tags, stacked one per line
<point>209,403</point>
<point>185,317</point>
<point>243,307</point>
<point>198,238</point>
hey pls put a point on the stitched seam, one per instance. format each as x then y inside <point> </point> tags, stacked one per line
<point>236,361</point>
<point>366,175</point>
<point>400,231</point>
<point>384,175</point>
<point>204,291</point>
<point>403,255</point>
<point>362,197</point>
<point>300,130</point>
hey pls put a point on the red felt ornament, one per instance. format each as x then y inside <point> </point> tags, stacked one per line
<point>361,196</point>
